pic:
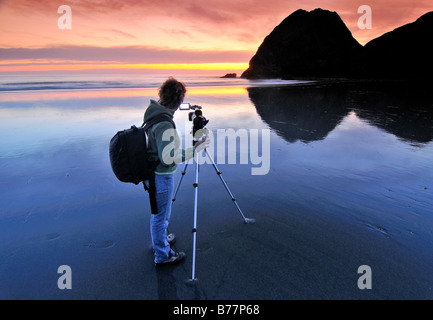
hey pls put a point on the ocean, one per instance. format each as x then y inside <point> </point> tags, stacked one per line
<point>17,82</point>
<point>345,182</point>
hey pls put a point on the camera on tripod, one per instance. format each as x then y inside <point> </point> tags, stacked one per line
<point>196,116</point>
<point>187,106</point>
<point>199,122</point>
<point>199,130</point>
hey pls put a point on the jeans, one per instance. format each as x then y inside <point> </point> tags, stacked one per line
<point>162,190</point>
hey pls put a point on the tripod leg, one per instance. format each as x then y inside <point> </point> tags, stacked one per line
<point>194,229</point>
<point>180,181</point>
<point>219,173</point>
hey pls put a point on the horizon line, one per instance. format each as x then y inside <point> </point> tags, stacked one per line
<point>204,66</point>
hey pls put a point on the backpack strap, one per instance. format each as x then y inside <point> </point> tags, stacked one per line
<point>146,126</point>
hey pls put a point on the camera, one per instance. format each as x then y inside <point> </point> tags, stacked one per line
<point>188,106</point>
<point>198,121</point>
<point>185,106</point>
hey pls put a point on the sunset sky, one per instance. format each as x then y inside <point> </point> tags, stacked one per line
<point>166,34</point>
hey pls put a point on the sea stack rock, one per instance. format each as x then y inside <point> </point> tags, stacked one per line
<point>229,75</point>
<point>405,52</point>
<point>306,44</point>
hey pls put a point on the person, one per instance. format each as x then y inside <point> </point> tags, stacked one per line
<point>164,147</point>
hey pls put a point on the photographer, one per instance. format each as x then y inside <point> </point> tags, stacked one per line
<point>168,154</point>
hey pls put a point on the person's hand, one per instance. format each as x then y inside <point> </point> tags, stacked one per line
<point>202,144</point>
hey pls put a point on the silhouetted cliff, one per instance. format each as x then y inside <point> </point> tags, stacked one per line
<point>405,52</point>
<point>318,44</point>
<point>306,44</point>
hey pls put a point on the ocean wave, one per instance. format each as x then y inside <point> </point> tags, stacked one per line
<point>20,84</point>
<point>66,85</point>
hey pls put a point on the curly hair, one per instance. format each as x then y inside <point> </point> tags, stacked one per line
<point>171,93</point>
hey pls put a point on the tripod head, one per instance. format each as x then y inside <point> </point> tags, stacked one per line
<point>199,122</point>
<point>188,106</point>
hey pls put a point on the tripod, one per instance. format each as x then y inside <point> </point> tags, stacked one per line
<point>195,185</point>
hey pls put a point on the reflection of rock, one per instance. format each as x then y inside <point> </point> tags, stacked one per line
<point>309,113</point>
<point>300,113</point>
<point>403,109</point>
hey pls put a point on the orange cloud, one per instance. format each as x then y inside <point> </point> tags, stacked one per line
<point>76,67</point>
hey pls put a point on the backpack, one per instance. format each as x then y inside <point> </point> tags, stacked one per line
<point>129,158</point>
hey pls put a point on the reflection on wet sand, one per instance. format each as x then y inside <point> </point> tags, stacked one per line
<point>300,113</point>
<point>310,113</point>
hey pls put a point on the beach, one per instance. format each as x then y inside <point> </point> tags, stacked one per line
<point>349,185</point>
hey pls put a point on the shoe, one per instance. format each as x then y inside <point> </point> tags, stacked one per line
<point>176,257</point>
<point>171,239</point>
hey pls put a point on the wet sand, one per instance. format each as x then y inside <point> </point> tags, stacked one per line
<point>324,209</point>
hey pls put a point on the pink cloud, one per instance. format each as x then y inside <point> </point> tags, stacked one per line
<point>133,54</point>
<point>187,25</point>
